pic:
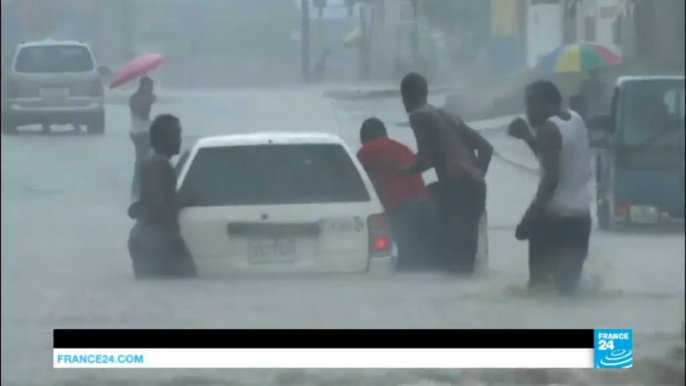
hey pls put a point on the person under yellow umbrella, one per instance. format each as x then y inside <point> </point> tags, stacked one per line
<point>584,58</point>
<point>577,58</point>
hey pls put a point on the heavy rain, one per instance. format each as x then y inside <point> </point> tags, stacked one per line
<point>269,66</point>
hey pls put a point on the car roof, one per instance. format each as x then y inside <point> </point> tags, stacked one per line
<point>270,138</point>
<point>52,42</point>
<point>626,79</point>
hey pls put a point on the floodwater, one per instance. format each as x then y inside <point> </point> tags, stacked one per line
<point>65,264</point>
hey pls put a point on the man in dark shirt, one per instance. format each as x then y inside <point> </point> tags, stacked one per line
<point>155,242</point>
<point>448,145</point>
<point>404,197</point>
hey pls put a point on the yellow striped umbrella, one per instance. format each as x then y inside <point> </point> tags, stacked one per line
<point>582,57</point>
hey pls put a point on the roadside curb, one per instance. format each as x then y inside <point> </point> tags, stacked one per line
<point>518,165</point>
<point>359,94</point>
<point>123,99</point>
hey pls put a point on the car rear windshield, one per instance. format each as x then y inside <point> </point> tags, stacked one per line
<point>54,59</point>
<point>182,162</point>
<point>654,113</point>
<point>273,175</point>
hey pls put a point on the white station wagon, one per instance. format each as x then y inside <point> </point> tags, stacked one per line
<point>273,203</point>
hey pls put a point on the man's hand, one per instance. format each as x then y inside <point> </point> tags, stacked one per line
<point>523,231</point>
<point>532,215</point>
<point>135,210</point>
<point>519,129</point>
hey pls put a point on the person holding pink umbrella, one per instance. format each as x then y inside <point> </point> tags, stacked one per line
<point>140,104</point>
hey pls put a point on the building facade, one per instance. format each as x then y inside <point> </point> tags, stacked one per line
<point>652,29</point>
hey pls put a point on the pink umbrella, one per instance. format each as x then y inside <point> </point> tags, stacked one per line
<point>140,66</point>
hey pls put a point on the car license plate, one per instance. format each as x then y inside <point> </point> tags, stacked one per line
<point>343,224</point>
<point>265,251</point>
<point>54,92</point>
<point>644,214</point>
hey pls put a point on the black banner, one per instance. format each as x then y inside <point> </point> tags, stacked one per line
<point>320,339</point>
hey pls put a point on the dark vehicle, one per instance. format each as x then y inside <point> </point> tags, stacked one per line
<point>640,162</point>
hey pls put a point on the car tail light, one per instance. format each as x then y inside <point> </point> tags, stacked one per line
<point>621,210</point>
<point>97,89</point>
<point>380,240</point>
<point>11,89</point>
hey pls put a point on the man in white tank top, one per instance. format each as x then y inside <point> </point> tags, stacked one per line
<point>557,223</point>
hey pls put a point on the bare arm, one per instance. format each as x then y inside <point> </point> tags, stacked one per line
<point>420,122</point>
<point>162,185</point>
<point>550,143</point>
<point>484,149</point>
<point>531,144</point>
<point>519,129</point>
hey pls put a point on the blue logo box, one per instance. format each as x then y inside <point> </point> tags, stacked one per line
<point>613,349</point>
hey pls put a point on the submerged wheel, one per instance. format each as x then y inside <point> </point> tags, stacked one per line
<point>8,125</point>
<point>97,126</point>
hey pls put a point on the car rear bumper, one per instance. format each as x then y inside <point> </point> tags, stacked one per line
<point>37,111</point>
<point>212,266</point>
<point>382,265</point>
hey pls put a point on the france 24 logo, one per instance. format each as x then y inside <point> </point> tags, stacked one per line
<point>613,349</point>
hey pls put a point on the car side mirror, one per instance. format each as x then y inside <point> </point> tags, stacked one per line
<point>601,124</point>
<point>104,71</point>
<point>600,129</point>
<point>104,74</point>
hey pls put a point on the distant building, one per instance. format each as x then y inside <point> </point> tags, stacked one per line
<point>603,22</point>
<point>507,35</point>
<point>670,30</point>
<point>219,43</point>
<point>551,24</point>
<point>614,24</point>
<point>544,31</point>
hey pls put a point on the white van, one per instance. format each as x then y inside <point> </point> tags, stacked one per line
<point>281,203</point>
<point>53,82</point>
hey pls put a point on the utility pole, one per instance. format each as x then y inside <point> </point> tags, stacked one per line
<point>366,28</point>
<point>305,39</point>
<point>320,4</point>
<point>415,31</point>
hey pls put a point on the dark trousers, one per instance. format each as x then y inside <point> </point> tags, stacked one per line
<point>414,226</point>
<point>158,251</point>
<point>558,247</point>
<point>460,205</point>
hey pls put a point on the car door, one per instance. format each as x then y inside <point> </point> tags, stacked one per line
<point>606,152</point>
<point>650,150</point>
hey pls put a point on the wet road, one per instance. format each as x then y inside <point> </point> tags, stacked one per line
<point>64,260</point>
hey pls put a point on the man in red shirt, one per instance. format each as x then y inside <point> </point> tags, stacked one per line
<point>404,197</point>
